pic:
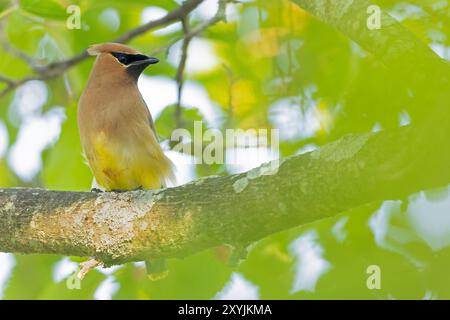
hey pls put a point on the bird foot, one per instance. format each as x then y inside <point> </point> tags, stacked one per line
<point>87,266</point>
<point>97,190</point>
<point>156,269</point>
<point>125,190</point>
<point>158,276</point>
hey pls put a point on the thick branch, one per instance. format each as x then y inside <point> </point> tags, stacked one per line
<point>237,209</point>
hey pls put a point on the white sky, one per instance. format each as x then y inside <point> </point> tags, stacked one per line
<point>238,288</point>
<point>154,13</point>
<point>4,139</point>
<point>310,264</point>
<point>7,263</point>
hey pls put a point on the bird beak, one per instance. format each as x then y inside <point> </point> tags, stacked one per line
<point>137,67</point>
<point>145,62</point>
<point>152,60</point>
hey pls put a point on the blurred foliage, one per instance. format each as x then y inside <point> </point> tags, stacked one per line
<point>278,67</point>
<point>199,276</point>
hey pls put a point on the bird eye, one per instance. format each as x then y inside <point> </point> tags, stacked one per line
<point>120,57</point>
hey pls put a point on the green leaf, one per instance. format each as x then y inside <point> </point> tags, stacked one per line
<point>165,4</point>
<point>166,121</point>
<point>49,9</point>
<point>270,267</point>
<point>63,291</point>
<point>199,276</point>
<point>31,275</point>
<point>64,166</point>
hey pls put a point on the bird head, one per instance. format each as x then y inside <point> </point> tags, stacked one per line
<point>118,58</point>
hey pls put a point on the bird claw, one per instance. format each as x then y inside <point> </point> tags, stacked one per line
<point>156,269</point>
<point>87,266</point>
<point>238,254</point>
<point>126,190</point>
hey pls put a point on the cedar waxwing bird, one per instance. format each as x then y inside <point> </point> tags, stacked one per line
<point>116,128</point>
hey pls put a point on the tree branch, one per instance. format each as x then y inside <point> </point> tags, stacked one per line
<point>57,68</point>
<point>393,44</point>
<point>119,227</point>
<point>196,31</point>
<point>14,51</point>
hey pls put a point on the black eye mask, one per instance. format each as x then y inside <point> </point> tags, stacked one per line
<point>126,59</point>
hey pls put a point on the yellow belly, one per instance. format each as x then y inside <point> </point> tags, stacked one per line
<point>128,167</point>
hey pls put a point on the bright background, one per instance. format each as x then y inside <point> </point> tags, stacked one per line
<point>270,66</point>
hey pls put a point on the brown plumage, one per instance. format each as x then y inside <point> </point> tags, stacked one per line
<point>116,128</point>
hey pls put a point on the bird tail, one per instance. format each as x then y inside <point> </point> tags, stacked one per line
<point>169,174</point>
<point>156,269</point>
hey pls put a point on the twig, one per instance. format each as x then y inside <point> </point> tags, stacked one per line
<point>188,35</point>
<point>87,266</point>
<point>10,10</point>
<point>172,16</point>
<point>180,71</point>
<point>6,80</point>
<point>13,84</point>
<point>14,51</point>
<point>231,82</point>
<point>55,69</point>
<point>194,32</point>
